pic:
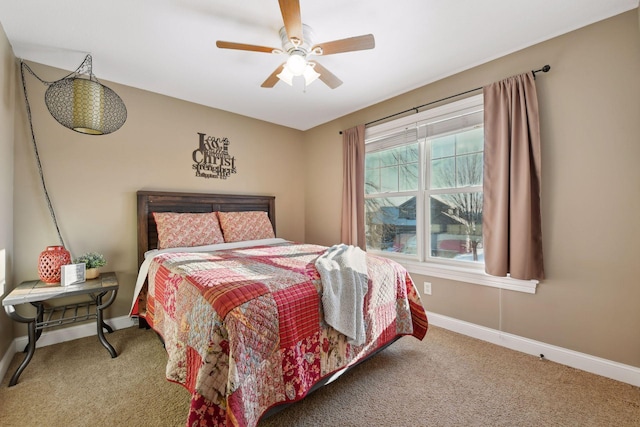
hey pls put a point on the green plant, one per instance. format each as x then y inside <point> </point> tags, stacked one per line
<point>91,259</point>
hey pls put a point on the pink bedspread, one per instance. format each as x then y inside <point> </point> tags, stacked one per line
<point>244,328</point>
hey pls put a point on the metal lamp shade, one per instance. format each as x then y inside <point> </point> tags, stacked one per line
<point>85,106</point>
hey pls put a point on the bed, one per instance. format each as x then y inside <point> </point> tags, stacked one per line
<point>243,320</point>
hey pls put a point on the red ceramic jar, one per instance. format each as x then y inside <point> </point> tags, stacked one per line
<point>50,261</point>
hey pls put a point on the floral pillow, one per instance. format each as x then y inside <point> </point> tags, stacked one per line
<point>240,226</point>
<point>177,230</point>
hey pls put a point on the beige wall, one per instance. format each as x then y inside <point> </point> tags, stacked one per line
<point>93,180</point>
<point>7,107</point>
<point>590,110</point>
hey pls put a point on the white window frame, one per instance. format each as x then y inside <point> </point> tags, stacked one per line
<point>423,264</point>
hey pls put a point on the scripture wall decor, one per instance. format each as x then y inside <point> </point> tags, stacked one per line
<point>212,159</point>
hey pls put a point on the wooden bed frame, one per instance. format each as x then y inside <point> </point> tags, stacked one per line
<point>161,201</point>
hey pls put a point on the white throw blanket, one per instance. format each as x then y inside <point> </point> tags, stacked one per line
<point>343,270</point>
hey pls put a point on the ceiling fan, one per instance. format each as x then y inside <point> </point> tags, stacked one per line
<point>298,44</point>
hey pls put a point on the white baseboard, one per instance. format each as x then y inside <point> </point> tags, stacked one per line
<point>6,359</point>
<point>56,336</point>
<point>595,365</point>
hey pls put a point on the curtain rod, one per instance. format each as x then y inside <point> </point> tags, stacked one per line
<point>544,69</point>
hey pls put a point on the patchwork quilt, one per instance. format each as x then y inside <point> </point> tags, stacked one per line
<point>244,328</point>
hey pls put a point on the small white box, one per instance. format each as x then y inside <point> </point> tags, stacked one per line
<point>72,273</point>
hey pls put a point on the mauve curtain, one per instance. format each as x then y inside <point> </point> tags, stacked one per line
<point>511,220</point>
<point>352,232</point>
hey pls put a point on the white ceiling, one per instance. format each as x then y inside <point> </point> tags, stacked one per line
<point>168,46</point>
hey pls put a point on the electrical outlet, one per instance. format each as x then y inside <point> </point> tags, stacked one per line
<point>427,288</point>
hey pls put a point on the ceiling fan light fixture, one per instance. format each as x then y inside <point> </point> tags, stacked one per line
<point>297,63</point>
<point>310,75</point>
<point>286,75</point>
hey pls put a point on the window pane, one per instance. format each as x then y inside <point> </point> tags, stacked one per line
<point>392,170</point>
<point>413,155</point>
<point>456,226</point>
<point>443,173</point>
<point>409,177</point>
<point>390,224</point>
<point>389,157</point>
<point>469,169</point>
<point>409,168</point>
<point>457,160</point>
<point>389,179</point>
<point>371,160</point>
<point>471,141</point>
<point>408,154</point>
<point>371,181</point>
<point>445,146</point>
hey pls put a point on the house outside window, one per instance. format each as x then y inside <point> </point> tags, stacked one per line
<point>423,185</point>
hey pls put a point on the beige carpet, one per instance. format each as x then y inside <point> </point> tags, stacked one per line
<point>445,380</point>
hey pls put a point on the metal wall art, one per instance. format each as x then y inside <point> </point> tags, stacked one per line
<point>212,159</point>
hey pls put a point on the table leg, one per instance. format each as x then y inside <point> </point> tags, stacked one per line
<point>31,347</point>
<point>39,316</point>
<point>100,323</point>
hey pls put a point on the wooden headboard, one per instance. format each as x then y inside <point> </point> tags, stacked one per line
<point>160,201</point>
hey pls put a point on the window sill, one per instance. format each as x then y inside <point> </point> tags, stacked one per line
<point>468,275</point>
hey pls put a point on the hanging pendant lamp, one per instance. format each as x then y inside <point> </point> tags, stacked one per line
<point>85,105</point>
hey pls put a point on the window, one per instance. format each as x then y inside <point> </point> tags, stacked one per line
<point>423,193</point>
<point>423,185</point>
<point>454,192</point>
<point>391,189</point>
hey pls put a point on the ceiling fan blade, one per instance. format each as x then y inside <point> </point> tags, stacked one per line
<point>242,46</point>
<point>347,45</point>
<point>292,20</point>
<point>327,76</point>
<point>273,78</point>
